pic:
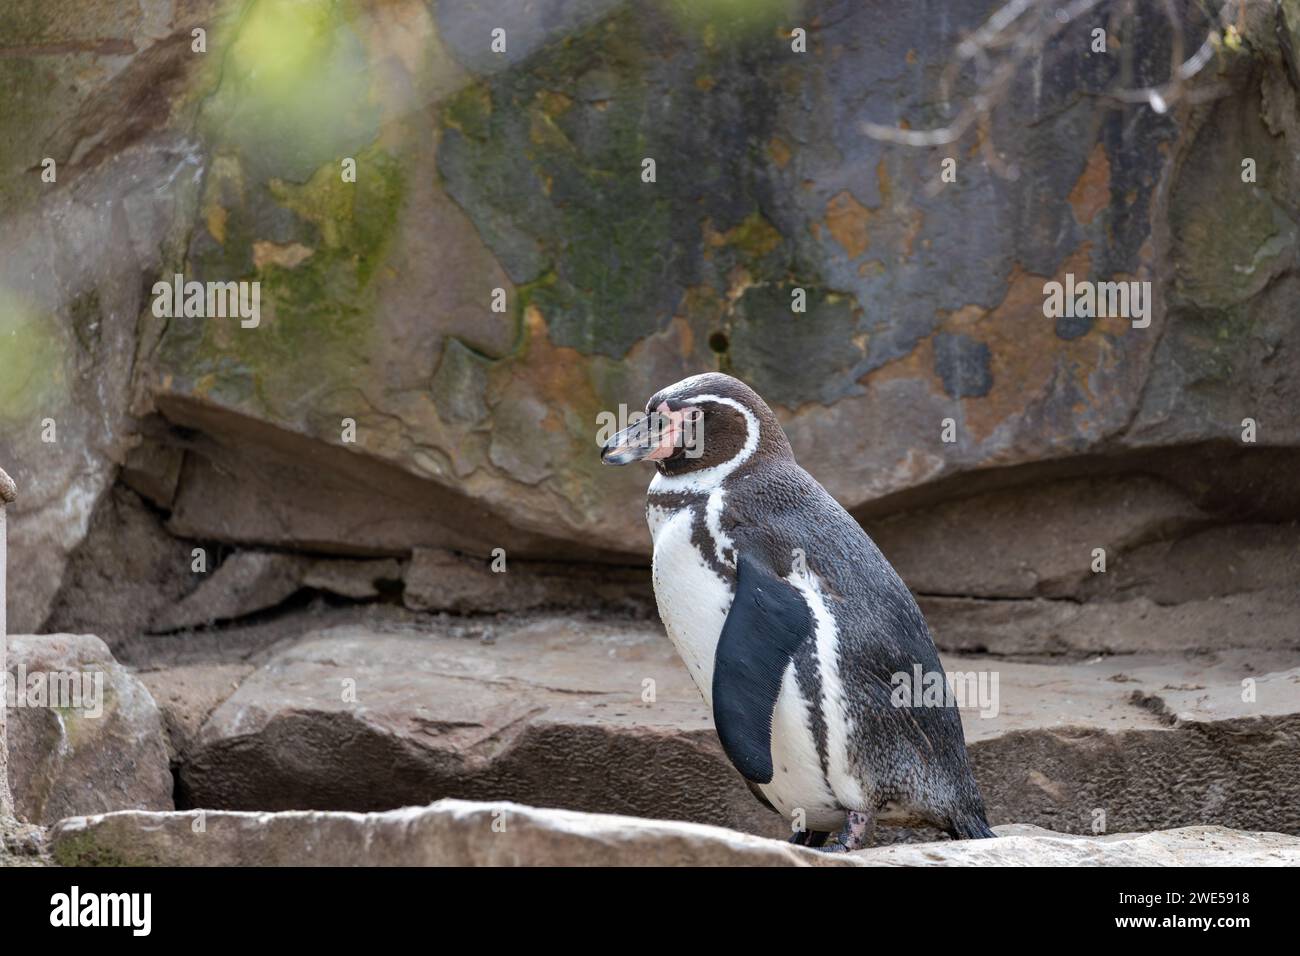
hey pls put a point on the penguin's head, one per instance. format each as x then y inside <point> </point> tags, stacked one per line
<point>709,421</point>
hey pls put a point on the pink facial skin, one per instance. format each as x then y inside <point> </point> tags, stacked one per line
<point>669,437</point>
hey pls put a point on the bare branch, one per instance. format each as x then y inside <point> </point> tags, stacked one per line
<point>1001,47</point>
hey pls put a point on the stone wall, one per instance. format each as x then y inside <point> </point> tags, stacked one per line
<point>475,429</point>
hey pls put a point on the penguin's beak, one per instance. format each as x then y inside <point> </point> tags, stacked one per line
<point>633,443</point>
<point>652,438</point>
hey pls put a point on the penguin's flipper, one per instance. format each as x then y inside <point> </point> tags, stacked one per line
<point>767,622</point>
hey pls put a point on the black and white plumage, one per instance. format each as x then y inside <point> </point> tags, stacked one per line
<point>792,623</point>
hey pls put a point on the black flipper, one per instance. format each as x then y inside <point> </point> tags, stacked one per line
<point>767,622</point>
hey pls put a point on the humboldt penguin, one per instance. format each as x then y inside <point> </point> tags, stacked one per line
<point>795,628</point>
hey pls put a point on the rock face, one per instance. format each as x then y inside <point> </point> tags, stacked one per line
<point>600,715</point>
<point>442,581</point>
<point>460,833</point>
<point>1105,563</point>
<point>1020,845</point>
<point>245,583</point>
<point>552,712</point>
<point>134,569</point>
<point>85,736</point>
<point>1142,743</point>
<point>187,694</point>
<point>384,403</point>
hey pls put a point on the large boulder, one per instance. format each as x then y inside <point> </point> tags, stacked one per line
<point>581,714</point>
<point>101,93</point>
<point>460,833</point>
<point>84,734</point>
<point>385,401</point>
<point>600,715</point>
<point>614,286</point>
<point>1104,562</point>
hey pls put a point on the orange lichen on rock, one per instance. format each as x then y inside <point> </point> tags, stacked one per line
<point>215,217</point>
<point>557,374</point>
<point>1026,356</point>
<point>267,253</point>
<point>1091,194</point>
<point>847,220</point>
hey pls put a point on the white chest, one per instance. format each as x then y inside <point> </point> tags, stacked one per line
<point>693,599</point>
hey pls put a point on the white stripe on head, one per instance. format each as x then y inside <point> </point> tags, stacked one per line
<point>707,479</point>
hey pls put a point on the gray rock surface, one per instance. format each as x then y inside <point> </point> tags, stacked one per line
<point>476,428</point>
<point>101,749</point>
<point>187,694</point>
<point>461,833</point>
<point>442,581</point>
<point>550,711</point>
<point>243,584</point>
<point>21,844</point>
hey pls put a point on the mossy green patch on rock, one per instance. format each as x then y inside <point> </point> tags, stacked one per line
<point>459,386</point>
<point>316,299</point>
<point>85,849</point>
<point>755,237</point>
<point>356,220</point>
<point>572,170</point>
<point>726,21</point>
<point>470,111</point>
<point>597,305</point>
<point>1228,244</point>
<point>769,339</point>
<point>33,380</point>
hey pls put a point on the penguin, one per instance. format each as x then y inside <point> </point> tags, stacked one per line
<point>794,627</point>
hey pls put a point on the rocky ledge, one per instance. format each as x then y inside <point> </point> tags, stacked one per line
<point>598,715</point>
<point>462,833</point>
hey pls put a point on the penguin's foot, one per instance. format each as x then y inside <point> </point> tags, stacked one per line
<point>812,838</point>
<point>856,835</point>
